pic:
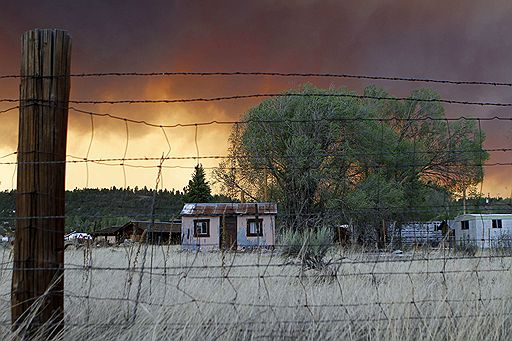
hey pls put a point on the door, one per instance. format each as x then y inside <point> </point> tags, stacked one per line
<point>228,233</point>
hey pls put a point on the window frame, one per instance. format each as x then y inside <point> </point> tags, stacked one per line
<point>497,223</point>
<point>259,226</point>
<point>201,235</point>
<point>464,225</point>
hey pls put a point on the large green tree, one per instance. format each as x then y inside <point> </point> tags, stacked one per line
<point>330,156</point>
<point>198,189</point>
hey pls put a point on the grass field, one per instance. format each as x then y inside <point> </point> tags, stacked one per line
<point>259,295</point>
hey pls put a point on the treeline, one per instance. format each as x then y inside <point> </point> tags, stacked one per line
<point>93,209</point>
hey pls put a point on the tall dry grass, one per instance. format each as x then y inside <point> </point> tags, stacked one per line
<point>259,295</point>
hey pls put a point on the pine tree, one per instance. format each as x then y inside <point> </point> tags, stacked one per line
<point>198,189</point>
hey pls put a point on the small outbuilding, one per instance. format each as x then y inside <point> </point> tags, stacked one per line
<point>111,235</point>
<point>234,226</point>
<point>158,232</point>
<point>483,230</point>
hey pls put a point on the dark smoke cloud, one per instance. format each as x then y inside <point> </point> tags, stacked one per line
<point>438,39</point>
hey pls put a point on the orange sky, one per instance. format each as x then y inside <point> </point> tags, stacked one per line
<point>466,40</point>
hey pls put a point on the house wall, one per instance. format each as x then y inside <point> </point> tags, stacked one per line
<point>268,238</point>
<point>189,242</point>
<point>480,230</point>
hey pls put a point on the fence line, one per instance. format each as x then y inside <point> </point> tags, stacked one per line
<point>485,306</point>
<point>260,288</point>
<point>268,95</point>
<point>273,74</point>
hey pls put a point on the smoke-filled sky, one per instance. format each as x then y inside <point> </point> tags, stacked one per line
<point>461,40</point>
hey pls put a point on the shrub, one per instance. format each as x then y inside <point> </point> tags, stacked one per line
<point>468,248</point>
<point>502,245</point>
<point>310,246</point>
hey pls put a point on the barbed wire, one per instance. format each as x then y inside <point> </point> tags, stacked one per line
<point>490,306</point>
<point>334,214</point>
<point>320,276</point>
<point>78,159</point>
<point>266,95</point>
<point>371,165</point>
<point>362,209</point>
<point>310,120</point>
<point>255,284</point>
<point>265,73</point>
<point>370,256</point>
<point>289,120</point>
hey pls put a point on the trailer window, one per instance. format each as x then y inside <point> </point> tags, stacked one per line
<point>497,224</point>
<point>464,225</point>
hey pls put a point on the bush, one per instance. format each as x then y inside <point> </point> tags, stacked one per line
<point>467,248</point>
<point>309,246</point>
<point>502,245</point>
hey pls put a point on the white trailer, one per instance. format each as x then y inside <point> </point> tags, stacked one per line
<point>483,230</point>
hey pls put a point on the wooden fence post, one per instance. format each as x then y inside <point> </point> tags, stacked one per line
<point>37,292</point>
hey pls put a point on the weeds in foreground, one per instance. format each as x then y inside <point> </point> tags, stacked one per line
<point>248,295</point>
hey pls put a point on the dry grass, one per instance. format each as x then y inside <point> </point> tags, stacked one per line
<point>256,296</point>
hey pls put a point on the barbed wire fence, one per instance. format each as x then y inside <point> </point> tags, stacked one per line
<point>150,291</point>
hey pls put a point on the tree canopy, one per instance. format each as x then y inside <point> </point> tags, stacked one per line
<point>330,156</point>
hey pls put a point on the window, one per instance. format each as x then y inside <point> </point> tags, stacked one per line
<point>497,224</point>
<point>201,228</point>
<point>464,225</point>
<point>254,227</point>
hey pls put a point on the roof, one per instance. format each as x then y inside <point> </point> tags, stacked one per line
<point>484,216</point>
<point>158,227</point>
<point>108,231</point>
<point>219,209</point>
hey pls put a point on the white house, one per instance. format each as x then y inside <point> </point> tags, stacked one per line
<point>235,226</point>
<point>484,230</point>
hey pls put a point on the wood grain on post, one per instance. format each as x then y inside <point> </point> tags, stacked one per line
<point>37,297</point>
